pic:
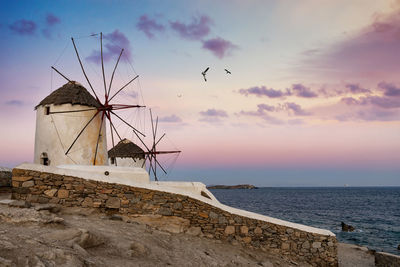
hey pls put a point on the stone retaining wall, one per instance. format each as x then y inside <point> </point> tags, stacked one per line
<point>296,245</point>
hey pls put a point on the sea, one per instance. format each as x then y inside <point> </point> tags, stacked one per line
<point>373,211</point>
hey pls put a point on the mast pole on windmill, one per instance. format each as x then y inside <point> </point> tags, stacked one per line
<point>83,70</point>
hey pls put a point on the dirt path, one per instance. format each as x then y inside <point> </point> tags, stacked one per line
<point>45,235</point>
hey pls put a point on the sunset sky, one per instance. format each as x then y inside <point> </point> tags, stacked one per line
<point>313,98</point>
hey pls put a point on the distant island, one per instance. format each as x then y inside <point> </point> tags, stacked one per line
<point>240,186</point>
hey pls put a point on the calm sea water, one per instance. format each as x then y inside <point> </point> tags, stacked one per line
<point>373,211</point>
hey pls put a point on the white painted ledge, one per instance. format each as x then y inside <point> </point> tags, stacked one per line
<point>169,187</point>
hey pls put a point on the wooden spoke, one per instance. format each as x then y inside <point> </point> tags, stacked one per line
<point>98,138</point>
<point>72,111</point>
<point>112,76</point>
<point>60,73</point>
<point>133,128</point>
<point>123,87</point>
<point>102,65</point>
<point>83,70</point>
<point>81,132</point>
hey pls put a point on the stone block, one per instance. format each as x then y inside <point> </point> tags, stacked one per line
<point>124,202</point>
<point>50,192</point>
<point>96,204</point>
<point>316,244</point>
<point>178,206</point>
<point>246,239</point>
<point>258,231</point>
<point>165,211</point>
<point>113,203</point>
<point>244,230</point>
<point>285,246</point>
<point>306,245</point>
<point>22,178</point>
<point>62,193</point>
<point>87,202</point>
<point>203,214</point>
<point>229,230</point>
<point>213,215</point>
<point>28,184</point>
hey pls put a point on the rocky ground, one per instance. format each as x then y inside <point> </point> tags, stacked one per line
<point>46,235</point>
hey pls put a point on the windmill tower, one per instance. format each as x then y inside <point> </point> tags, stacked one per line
<point>71,122</point>
<point>127,154</point>
<point>59,119</point>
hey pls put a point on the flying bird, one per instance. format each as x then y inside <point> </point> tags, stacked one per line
<point>204,73</point>
<point>227,71</point>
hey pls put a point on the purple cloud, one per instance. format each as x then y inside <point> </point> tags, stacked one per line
<point>389,89</point>
<point>14,103</point>
<point>302,91</point>
<point>219,47</point>
<point>52,19</point>
<point>356,88</point>
<point>379,101</point>
<point>265,107</point>
<point>261,109</point>
<point>171,119</point>
<point>261,112</point>
<point>23,27</point>
<point>295,109</point>
<point>369,115</point>
<point>350,101</point>
<point>262,91</point>
<point>196,30</point>
<point>149,26</point>
<point>115,42</point>
<point>214,113</point>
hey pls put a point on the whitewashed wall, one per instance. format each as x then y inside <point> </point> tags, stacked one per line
<point>128,162</point>
<point>56,132</point>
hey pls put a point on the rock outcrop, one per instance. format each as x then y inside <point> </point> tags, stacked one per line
<point>347,227</point>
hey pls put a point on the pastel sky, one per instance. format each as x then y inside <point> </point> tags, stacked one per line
<point>313,98</point>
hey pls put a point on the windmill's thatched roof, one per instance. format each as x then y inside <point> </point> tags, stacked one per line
<point>70,93</point>
<point>126,149</point>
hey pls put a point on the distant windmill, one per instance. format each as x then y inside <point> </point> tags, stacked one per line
<point>152,152</point>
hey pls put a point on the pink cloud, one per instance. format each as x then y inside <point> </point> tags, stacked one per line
<point>371,53</point>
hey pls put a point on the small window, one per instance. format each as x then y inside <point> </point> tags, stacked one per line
<point>46,110</point>
<point>44,159</point>
<point>112,160</point>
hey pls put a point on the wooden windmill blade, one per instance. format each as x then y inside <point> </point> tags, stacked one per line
<point>105,108</point>
<point>151,154</point>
